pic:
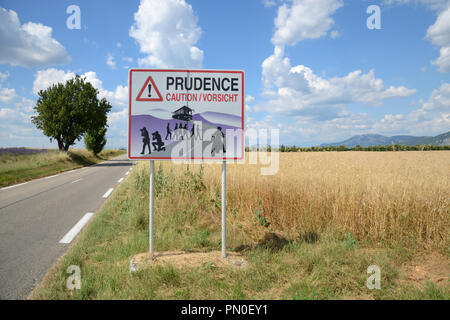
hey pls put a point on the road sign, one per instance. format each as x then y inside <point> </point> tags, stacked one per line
<point>186,114</point>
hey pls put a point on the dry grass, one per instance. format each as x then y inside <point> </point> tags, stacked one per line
<point>17,167</point>
<point>398,198</point>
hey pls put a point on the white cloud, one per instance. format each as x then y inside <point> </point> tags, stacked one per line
<point>14,116</point>
<point>167,33</point>
<point>432,118</point>
<point>417,122</point>
<point>432,4</point>
<point>91,77</point>
<point>335,34</point>
<point>25,104</point>
<point>127,59</point>
<point>317,132</point>
<point>48,77</point>
<point>443,62</point>
<point>266,123</point>
<point>118,116</point>
<point>16,129</point>
<point>3,76</point>
<point>439,99</point>
<point>439,33</point>
<point>7,95</point>
<point>30,44</point>
<point>110,62</point>
<point>299,91</point>
<point>269,3</point>
<point>249,99</point>
<point>118,97</point>
<point>304,19</point>
<point>6,113</point>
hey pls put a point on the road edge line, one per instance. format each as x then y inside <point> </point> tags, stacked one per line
<point>69,236</point>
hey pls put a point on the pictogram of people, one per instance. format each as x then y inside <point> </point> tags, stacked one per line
<point>169,133</point>
<point>218,144</point>
<point>185,131</point>
<point>145,140</point>
<point>158,145</point>
<point>198,132</point>
<point>181,131</point>
<point>175,132</point>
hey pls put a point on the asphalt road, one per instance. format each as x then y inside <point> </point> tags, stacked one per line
<point>37,215</point>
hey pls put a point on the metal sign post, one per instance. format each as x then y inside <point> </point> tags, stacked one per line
<point>224,209</point>
<point>150,209</point>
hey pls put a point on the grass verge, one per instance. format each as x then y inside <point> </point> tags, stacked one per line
<point>327,265</point>
<point>17,168</point>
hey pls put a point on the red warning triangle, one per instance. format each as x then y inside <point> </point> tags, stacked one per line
<point>145,91</point>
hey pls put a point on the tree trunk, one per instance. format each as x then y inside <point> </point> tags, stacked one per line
<point>60,145</point>
<point>68,144</point>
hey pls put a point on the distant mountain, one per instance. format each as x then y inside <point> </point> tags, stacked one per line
<point>366,140</point>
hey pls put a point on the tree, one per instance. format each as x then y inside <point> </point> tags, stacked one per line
<point>65,112</point>
<point>95,140</point>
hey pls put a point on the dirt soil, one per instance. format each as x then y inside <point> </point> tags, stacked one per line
<point>433,267</point>
<point>181,259</point>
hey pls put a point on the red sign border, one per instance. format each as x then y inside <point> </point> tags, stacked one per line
<point>191,71</point>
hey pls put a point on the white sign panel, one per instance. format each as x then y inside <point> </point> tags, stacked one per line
<point>186,114</point>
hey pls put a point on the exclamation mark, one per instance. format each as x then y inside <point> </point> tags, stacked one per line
<point>149,90</point>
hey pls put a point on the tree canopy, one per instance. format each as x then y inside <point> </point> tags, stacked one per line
<point>65,112</point>
<point>95,140</point>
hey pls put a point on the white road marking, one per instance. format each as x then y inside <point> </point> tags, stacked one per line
<point>76,229</point>
<point>120,180</point>
<point>77,180</point>
<point>16,185</point>
<point>128,172</point>
<point>106,195</point>
<point>71,171</point>
<point>51,176</point>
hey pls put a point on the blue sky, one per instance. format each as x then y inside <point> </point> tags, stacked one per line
<point>313,68</point>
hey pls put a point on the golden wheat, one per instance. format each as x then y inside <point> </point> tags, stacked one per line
<point>398,198</point>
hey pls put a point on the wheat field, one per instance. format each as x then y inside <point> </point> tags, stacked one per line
<point>395,198</point>
<point>308,232</point>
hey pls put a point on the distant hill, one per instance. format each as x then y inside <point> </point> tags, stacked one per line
<point>366,140</point>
